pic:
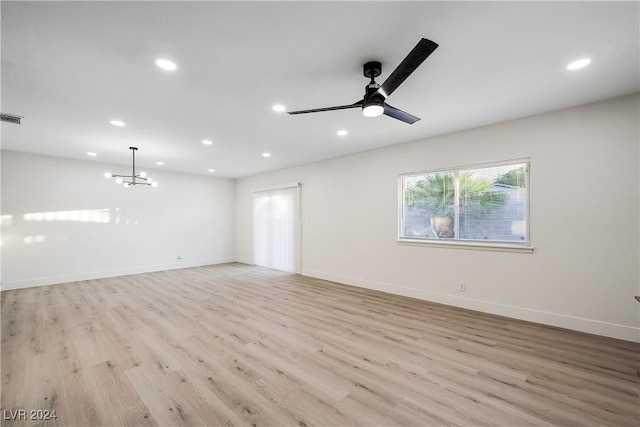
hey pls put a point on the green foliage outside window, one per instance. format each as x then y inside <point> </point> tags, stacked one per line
<point>436,193</point>
<point>515,177</point>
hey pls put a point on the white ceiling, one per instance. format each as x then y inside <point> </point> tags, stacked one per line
<point>70,68</point>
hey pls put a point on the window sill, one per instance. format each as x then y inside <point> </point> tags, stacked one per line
<point>478,246</point>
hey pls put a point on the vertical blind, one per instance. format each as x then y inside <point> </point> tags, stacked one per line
<point>274,228</point>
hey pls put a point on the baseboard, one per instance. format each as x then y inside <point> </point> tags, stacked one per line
<point>54,280</point>
<point>595,327</point>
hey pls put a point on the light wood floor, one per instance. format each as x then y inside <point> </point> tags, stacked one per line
<point>241,345</point>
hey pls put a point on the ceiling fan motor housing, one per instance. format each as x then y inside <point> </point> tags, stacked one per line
<point>372,94</point>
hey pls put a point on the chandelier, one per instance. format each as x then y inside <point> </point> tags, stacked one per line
<point>133,179</point>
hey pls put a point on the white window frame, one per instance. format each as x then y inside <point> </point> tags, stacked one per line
<point>524,247</point>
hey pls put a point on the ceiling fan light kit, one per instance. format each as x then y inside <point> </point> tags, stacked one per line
<point>374,102</point>
<point>373,110</point>
<point>133,179</point>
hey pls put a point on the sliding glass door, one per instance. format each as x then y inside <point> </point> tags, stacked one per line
<point>276,228</point>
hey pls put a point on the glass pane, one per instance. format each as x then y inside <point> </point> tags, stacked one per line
<point>428,209</point>
<point>274,229</point>
<point>493,203</point>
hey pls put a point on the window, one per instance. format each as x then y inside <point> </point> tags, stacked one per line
<point>482,205</point>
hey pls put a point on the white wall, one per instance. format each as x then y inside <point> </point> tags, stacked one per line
<point>63,221</point>
<point>584,221</point>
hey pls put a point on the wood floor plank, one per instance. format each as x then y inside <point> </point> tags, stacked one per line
<point>120,404</point>
<point>240,345</point>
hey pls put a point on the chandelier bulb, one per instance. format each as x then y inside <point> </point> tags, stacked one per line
<point>154,184</point>
<point>108,175</point>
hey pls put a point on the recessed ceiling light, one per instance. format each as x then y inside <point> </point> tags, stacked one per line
<point>160,163</point>
<point>211,170</point>
<point>266,154</point>
<point>579,64</point>
<point>207,142</point>
<point>165,64</point>
<point>117,123</point>
<point>91,153</point>
<point>342,132</point>
<point>278,108</point>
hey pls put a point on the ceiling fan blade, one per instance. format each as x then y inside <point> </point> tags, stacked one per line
<point>420,52</point>
<point>399,114</point>
<point>340,107</point>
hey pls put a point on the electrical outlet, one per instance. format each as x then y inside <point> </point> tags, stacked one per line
<point>462,287</point>
<point>179,257</point>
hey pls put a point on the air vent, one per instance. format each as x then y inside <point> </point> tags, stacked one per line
<point>11,118</point>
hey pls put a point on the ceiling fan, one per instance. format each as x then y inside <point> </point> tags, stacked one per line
<point>374,102</point>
